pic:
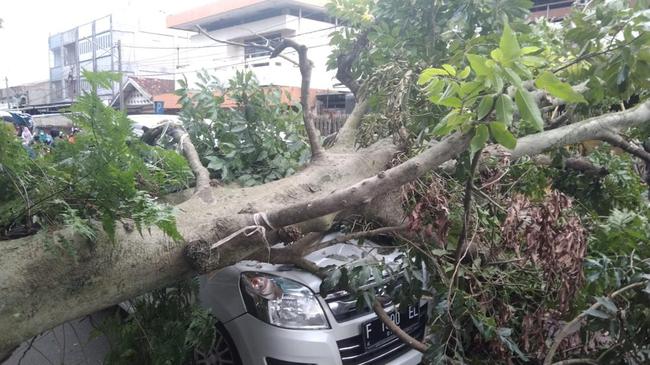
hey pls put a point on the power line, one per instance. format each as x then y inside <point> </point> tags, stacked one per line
<point>172,59</point>
<point>225,45</point>
<point>256,60</point>
<point>171,47</point>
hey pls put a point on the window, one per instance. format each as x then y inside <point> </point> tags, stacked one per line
<point>85,46</point>
<point>251,51</point>
<point>103,41</point>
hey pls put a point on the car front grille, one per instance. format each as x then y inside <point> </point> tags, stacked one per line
<point>344,306</point>
<point>352,350</point>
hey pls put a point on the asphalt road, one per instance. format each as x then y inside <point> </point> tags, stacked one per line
<point>72,343</point>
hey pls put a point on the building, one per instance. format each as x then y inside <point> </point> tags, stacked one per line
<point>553,10</point>
<point>116,42</point>
<point>27,94</point>
<point>140,94</point>
<point>247,23</point>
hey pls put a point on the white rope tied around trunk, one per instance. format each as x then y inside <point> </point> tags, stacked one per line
<point>259,219</point>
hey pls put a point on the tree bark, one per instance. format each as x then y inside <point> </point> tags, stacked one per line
<point>305,66</point>
<point>592,128</point>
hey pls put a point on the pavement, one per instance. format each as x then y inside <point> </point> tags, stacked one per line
<point>72,343</point>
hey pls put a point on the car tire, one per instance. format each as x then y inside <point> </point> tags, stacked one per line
<point>222,351</point>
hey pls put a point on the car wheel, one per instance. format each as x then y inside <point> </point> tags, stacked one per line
<point>222,351</point>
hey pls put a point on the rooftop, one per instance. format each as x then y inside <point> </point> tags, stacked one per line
<point>223,11</point>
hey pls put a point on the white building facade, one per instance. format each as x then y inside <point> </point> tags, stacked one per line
<point>258,22</point>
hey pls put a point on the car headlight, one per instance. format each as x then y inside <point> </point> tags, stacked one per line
<point>282,302</point>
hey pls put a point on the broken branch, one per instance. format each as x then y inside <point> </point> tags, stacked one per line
<point>345,60</point>
<point>305,66</point>
<point>617,140</point>
<point>185,144</point>
<point>400,333</point>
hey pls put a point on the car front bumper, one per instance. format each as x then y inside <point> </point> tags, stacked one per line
<point>257,341</point>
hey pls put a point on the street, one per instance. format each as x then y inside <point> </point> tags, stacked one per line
<point>72,343</point>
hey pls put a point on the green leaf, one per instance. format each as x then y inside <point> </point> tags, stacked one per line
<point>470,88</point>
<point>608,304</point>
<point>596,313</point>
<point>509,45</point>
<point>331,281</point>
<point>463,74</point>
<point>485,106</point>
<point>528,109</point>
<point>449,123</point>
<point>450,69</point>
<point>512,76</point>
<point>529,50</point>
<point>497,81</point>
<point>533,61</point>
<point>478,64</point>
<point>429,73</point>
<point>215,163</point>
<point>502,135</point>
<point>451,101</point>
<point>504,109</point>
<point>557,88</point>
<point>434,90</point>
<point>497,55</point>
<point>504,336</point>
<point>481,136</point>
<point>438,252</point>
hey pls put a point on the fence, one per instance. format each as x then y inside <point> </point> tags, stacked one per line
<point>329,123</point>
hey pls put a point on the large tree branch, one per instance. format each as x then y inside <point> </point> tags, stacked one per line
<point>364,191</point>
<point>592,128</point>
<point>347,135</point>
<point>203,254</point>
<point>305,72</point>
<point>200,172</point>
<point>185,144</point>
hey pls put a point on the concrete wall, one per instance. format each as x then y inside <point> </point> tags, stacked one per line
<point>34,93</point>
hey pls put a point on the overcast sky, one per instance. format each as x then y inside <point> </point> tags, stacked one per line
<point>26,25</point>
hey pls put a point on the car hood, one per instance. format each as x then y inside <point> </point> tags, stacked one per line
<point>336,255</point>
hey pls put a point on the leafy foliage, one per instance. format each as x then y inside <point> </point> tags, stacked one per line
<point>106,175</point>
<point>162,329</point>
<point>545,240</point>
<point>259,139</point>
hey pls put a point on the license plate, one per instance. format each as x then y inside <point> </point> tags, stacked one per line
<point>376,333</point>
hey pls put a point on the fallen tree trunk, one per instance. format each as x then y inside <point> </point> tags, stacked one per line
<point>41,289</point>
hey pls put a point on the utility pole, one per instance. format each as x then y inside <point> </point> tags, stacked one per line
<point>119,69</point>
<point>7,92</point>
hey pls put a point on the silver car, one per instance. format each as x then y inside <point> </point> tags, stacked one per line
<point>273,315</point>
